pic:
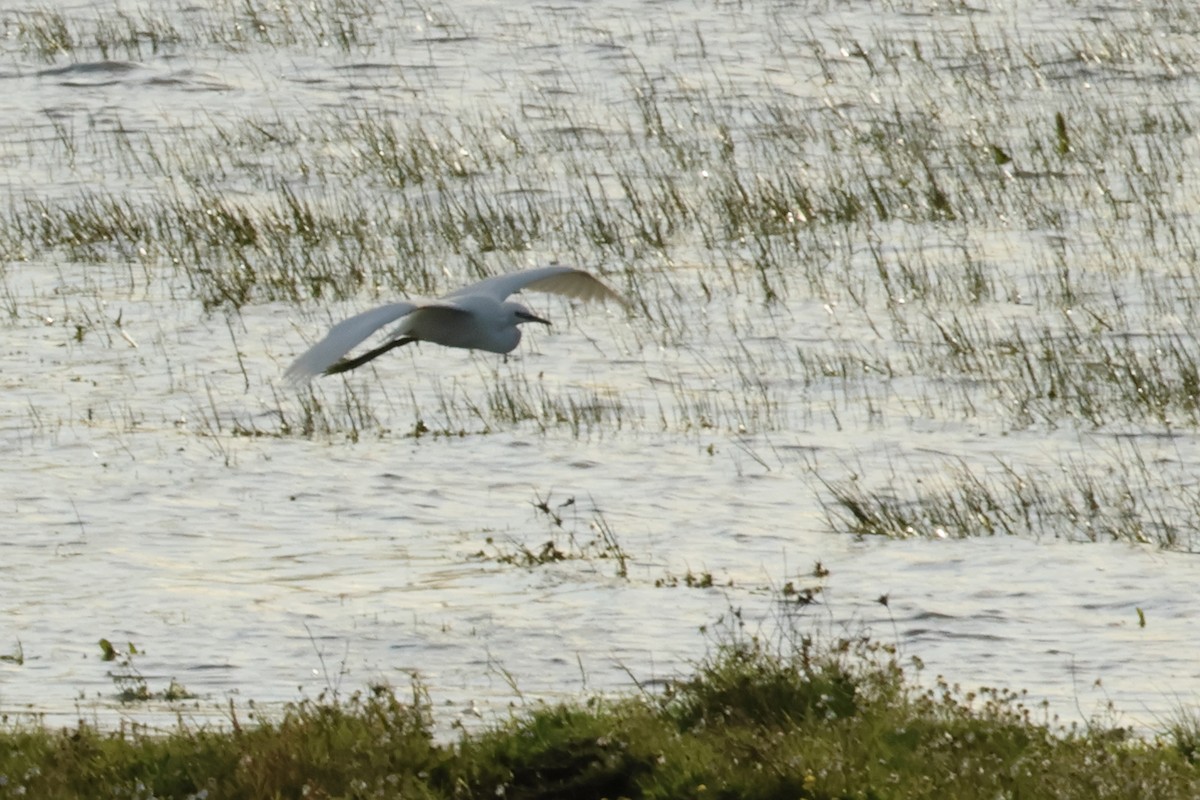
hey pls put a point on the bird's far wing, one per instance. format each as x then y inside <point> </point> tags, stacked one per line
<point>567,281</point>
<point>342,338</point>
<point>576,283</point>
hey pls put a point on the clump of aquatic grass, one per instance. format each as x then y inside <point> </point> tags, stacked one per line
<point>1127,499</point>
<point>46,33</point>
<point>357,406</point>
<point>349,25</point>
<point>703,579</point>
<point>15,656</point>
<point>350,413</point>
<point>129,681</point>
<point>131,684</point>
<point>342,411</point>
<point>52,34</point>
<point>516,399</point>
<point>1081,365</point>
<point>567,541</point>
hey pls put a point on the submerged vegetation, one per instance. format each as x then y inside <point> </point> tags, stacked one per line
<point>839,720</point>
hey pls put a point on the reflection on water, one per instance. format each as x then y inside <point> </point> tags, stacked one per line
<point>155,497</point>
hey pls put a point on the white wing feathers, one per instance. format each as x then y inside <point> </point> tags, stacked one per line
<point>566,281</point>
<point>343,337</point>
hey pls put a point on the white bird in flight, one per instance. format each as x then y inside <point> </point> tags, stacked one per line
<point>479,317</point>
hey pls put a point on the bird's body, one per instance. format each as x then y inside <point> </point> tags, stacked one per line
<point>478,317</point>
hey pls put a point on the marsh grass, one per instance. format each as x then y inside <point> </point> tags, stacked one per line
<point>866,200</point>
<point>872,208</point>
<point>567,540</point>
<point>948,228</point>
<point>1122,497</point>
<point>348,415</point>
<point>579,411</point>
<point>702,579</point>
<point>131,685</point>
<point>50,34</point>
<point>16,656</point>
<point>839,719</point>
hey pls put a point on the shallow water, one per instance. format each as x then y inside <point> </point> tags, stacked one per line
<point>270,567</point>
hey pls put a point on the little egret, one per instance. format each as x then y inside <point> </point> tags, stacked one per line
<point>479,317</point>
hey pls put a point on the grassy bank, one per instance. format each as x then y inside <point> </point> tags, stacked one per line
<point>839,721</point>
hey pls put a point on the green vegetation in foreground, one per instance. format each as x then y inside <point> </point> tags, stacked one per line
<point>842,722</point>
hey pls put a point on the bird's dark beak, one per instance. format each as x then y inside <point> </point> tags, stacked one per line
<point>533,318</point>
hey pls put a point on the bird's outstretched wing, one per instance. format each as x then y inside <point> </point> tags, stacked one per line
<point>342,338</point>
<point>566,281</point>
